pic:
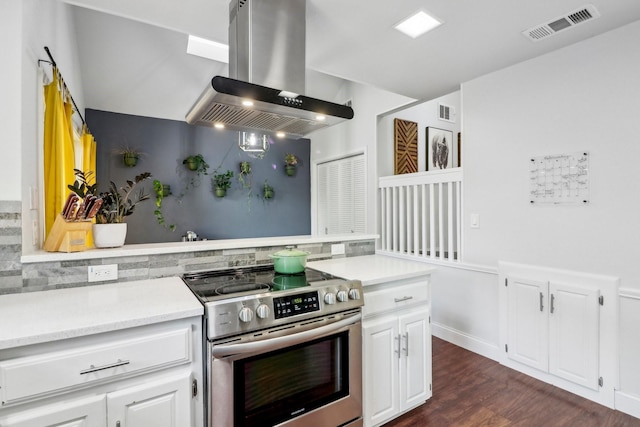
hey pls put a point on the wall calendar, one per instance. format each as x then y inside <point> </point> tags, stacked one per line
<point>559,179</point>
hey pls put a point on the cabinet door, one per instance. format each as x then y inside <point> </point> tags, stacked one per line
<point>574,331</point>
<point>527,318</point>
<point>165,402</point>
<point>381,357</point>
<point>415,348</point>
<point>87,412</point>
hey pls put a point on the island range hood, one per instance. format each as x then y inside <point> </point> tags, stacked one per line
<point>267,69</point>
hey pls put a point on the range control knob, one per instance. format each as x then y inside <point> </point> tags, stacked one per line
<point>342,296</point>
<point>354,294</point>
<point>245,315</point>
<point>329,298</point>
<point>263,311</point>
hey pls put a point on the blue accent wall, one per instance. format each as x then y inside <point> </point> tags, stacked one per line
<point>193,204</point>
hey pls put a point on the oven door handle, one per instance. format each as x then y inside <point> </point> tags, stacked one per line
<point>262,346</point>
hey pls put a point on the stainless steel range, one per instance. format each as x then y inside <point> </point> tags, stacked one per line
<point>282,350</point>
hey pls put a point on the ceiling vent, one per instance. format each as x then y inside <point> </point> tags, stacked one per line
<point>570,20</point>
<point>446,113</point>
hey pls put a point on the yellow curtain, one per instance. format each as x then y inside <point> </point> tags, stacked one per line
<point>89,164</point>
<point>88,152</point>
<point>58,150</point>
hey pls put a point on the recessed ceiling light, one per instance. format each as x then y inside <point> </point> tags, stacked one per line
<point>208,49</point>
<point>417,24</point>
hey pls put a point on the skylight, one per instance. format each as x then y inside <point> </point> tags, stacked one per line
<point>417,24</point>
<point>208,49</point>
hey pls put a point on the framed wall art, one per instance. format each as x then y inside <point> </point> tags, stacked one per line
<point>439,149</point>
<point>405,134</point>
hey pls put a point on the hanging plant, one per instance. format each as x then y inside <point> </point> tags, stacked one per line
<point>161,191</point>
<point>267,191</point>
<point>129,155</point>
<point>222,182</point>
<point>245,174</point>
<point>245,180</point>
<point>197,164</point>
<point>290,162</point>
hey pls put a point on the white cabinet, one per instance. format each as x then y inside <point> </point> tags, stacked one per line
<point>84,412</point>
<point>161,403</point>
<point>140,376</point>
<point>396,349</point>
<point>554,327</point>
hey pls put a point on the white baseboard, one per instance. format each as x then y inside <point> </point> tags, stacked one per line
<point>628,404</point>
<point>465,341</point>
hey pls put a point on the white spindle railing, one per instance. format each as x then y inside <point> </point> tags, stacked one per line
<point>420,214</point>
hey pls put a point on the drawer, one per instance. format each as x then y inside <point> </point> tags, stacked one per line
<point>395,297</point>
<point>25,378</point>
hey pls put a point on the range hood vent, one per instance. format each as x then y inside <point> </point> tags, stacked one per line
<point>266,51</point>
<point>570,20</point>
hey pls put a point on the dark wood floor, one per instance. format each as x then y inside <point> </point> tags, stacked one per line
<point>471,390</point>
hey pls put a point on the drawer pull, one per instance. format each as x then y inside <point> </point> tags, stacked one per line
<point>100,368</point>
<point>402,299</point>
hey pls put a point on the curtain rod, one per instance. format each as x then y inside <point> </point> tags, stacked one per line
<point>53,62</point>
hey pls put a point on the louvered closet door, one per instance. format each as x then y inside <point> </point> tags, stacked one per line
<point>341,196</point>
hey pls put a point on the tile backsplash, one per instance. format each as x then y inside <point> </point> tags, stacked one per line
<point>16,277</point>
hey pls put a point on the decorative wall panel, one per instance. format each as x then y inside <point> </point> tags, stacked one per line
<point>405,135</point>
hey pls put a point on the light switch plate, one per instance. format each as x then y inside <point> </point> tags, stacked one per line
<point>101,273</point>
<point>475,220</point>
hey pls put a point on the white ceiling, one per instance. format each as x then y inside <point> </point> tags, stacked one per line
<point>133,53</point>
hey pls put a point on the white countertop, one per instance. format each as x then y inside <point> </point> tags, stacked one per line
<point>372,269</point>
<point>36,317</point>
<point>180,247</point>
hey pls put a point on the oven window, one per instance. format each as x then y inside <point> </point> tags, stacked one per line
<point>274,387</point>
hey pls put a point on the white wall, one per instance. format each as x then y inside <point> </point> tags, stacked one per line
<point>28,26</point>
<point>425,114</point>
<point>354,136</point>
<point>10,94</point>
<point>584,97</point>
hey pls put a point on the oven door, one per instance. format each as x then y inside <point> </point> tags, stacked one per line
<point>303,374</point>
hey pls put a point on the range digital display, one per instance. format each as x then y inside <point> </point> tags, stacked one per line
<point>296,304</point>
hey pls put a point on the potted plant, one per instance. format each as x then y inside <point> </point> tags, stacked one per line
<point>110,229</point>
<point>161,191</point>
<point>267,191</point>
<point>197,164</point>
<point>130,156</point>
<point>222,182</point>
<point>290,162</point>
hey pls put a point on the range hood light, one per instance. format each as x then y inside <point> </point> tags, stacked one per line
<point>219,125</point>
<point>320,118</point>
<point>281,134</point>
<point>247,103</point>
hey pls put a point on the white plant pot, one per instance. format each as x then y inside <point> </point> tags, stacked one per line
<point>109,235</point>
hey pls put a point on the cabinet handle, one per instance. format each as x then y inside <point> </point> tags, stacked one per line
<point>402,299</point>
<point>406,344</point>
<point>92,368</point>
<point>551,308</point>
<point>397,337</point>
<point>541,297</point>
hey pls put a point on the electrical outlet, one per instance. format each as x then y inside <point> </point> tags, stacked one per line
<point>337,249</point>
<point>101,273</point>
